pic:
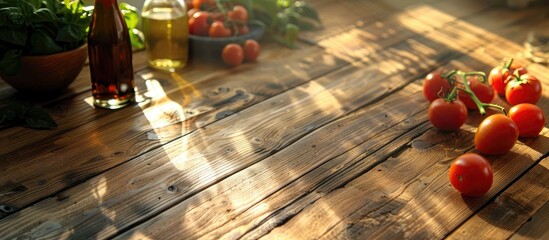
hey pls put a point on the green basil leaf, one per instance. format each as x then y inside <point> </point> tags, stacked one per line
<point>42,43</point>
<point>44,15</point>
<point>16,36</point>
<point>35,3</point>
<point>38,118</point>
<point>69,33</point>
<point>10,62</point>
<point>8,115</point>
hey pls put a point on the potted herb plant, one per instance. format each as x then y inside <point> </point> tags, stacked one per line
<point>42,43</point>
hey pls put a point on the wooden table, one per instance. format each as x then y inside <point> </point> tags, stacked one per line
<point>328,140</point>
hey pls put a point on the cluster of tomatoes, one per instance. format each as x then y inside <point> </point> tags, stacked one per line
<point>207,18</point>
<point>453,93</point>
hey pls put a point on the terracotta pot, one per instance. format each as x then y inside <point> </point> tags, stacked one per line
<point>48,73</point>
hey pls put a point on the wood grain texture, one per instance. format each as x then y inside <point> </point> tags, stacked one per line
<point>536,227</point>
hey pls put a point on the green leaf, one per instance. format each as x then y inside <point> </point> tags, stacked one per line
<point>16,36</point>
<point>44,15</point>
<point>131,15</point>
<point>42,43</point>
<point>38,118</point>
<point>306,10</point>
<point>27,115</point>
<point>35,3</point>
<point>69,33</point>
<point>8,114</point>
<point>10,62</point>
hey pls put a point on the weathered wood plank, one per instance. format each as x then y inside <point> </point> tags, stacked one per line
<point>510,210</point>
<point>536,227</point>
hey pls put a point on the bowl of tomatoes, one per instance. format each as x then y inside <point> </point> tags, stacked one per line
<point>210,29</point>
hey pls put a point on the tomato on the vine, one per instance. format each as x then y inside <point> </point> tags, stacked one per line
<point>447,115</point>
<point>471,175</point>
<point>218,29</point>
<point>435,86</point>
<point>239,14</point>
<point>198,23</point>
<point>232,54</point>
<point>529,119</point>
<point>523,89</point>
<point>496,134</point>
<point>499,75</point>
<point>251,50</point>
<point>484,93</point>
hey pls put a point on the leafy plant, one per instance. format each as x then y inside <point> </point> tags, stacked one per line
<point>40,27</point>
<point>27,115</point>
<point>284,19</point>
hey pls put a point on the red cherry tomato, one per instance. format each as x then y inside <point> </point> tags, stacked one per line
<point>203,4</point>
<point>471,175</point>
<point>496,134</point>
<point>499,75</point>
<point>251,50</point>
<point>448,116</point>
<point>529,118</point>
<point>198,23</point>
<point>484,92</point>
<point>218,29</point>
<point>435,86</point>
<point>232,54</point>
<point>524,89</point>
<point>239,14</point>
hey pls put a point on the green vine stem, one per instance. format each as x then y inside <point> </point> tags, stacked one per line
<point>481,106</point>
<point>448,76</point>
<point>507,65</point>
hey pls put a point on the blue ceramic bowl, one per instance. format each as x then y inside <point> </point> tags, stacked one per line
<point>208,47</point>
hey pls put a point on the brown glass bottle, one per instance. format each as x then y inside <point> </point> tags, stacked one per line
<point>110,54</point>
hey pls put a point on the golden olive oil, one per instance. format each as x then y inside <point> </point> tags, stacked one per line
<point>166,33</point>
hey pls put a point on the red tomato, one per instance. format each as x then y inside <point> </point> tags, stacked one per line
<point>434,86</point>
<point>529,118</point>
<point>498,76</point>
<point>198,23</point>
<point>471,175</point>
<point>251,50</point>
<point>524,89</point>
<point>218,29</point>
<point>203,4</point>
<point>484,92</point>
<point>496,134</point>
<point>239,14</point>
<point>232,54</point>
<point>449,116</point>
